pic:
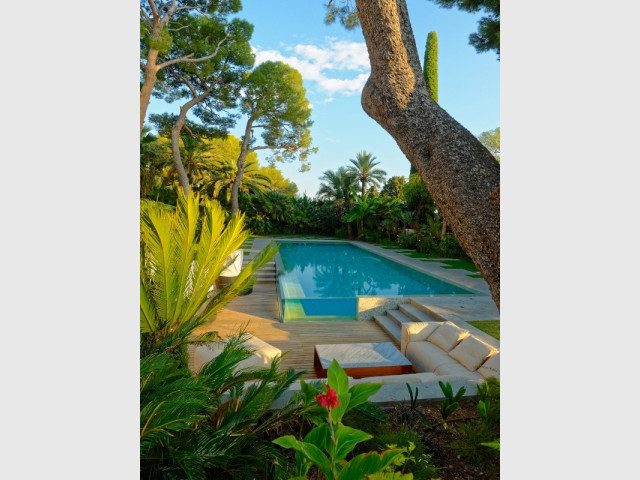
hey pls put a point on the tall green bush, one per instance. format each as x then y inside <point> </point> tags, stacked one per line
<point>430,69</point>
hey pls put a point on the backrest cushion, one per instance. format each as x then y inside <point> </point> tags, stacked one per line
<point>472,352</point>
<point>416,332</point>
<point>491,368</point>
<point>448,335</point>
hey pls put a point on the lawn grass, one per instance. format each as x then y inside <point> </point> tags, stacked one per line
<point>490,327</point>
<point>459,264</point>
<point>414,254</point>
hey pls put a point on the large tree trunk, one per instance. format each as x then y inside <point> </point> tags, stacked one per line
<point>244,150</point>
<point>150,76</point>
<point>459,172</point>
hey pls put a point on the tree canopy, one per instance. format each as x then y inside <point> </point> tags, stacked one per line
<point>275,102</point>
<point>167,37</point>
<point>485,39</point>
<point>488,35</point>
<point>491,140</point>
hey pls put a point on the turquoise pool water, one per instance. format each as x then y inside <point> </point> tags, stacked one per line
<point>321,281</point>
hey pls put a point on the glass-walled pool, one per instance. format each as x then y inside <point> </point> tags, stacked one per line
<point>321,281</point>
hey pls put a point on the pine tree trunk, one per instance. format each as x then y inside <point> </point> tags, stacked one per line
<point>244,150</point>
<point>175,150</point>
<point>461,175</point>
<point>150,75</point>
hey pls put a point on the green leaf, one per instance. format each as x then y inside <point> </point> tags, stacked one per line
<point>319,436</point>
<point>361,392</point>
<point>310,451</point>
<point>338,412</point>
<point>447,390</point>
<point>347,438</point>
<point>147,313</point>
<point>336,378</point>
<point>495,444</point>
<point>459,394</point>
<point>367,464</point>
<point>390,476</point>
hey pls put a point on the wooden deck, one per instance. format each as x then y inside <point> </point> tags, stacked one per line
<point>258,313</point>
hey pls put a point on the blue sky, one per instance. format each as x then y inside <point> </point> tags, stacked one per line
<point>334,65</point>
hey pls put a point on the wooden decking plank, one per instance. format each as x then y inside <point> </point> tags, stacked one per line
<point>258,313</point>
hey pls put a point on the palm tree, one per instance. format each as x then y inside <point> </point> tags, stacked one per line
<point>336,186</point>
<point>362,208</point>
<point>224,173</point>
<point>363,168</point>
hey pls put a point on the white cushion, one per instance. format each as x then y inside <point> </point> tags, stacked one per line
<point>491,367</point>
<point>472,352</point>
<point>448,335</point>
<point>426,357</point>
<point>261,357</point>
<point>416,332</point>
<point>404,378</point>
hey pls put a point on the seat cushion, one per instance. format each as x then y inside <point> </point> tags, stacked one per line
<point>447,336</point>
<point>491,367</point>
<point>457,370</point>
<point>472,352</point>
<point>426,357</point>
<point>261,357</point>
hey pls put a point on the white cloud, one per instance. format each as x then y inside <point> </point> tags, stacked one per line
<point>330,67</point>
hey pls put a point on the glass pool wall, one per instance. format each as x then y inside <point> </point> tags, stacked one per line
<point>316,283</point>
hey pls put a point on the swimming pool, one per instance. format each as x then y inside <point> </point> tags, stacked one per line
<point>321,281</point>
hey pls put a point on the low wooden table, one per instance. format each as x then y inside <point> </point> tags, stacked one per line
<point>360,360</point>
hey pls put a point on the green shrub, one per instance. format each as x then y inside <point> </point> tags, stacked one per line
<point>341,232</point>
<point>427,244</point>
<point>475,435</point>
<point>408,241</point>
<point>449,247</point>
<point>450,403</point>
<point>420,464</point>
<point>469,445</point>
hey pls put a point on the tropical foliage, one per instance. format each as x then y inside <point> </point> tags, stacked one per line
<point>363,167</point>
<point>210,424</point>
<point>182,254</point>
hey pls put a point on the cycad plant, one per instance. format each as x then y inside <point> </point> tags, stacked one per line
<point>205,425</point>
<point>182,254</point>
<point>210,425</point>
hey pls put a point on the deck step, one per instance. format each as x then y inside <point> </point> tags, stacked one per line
<point>398,316</point>
<point>416,314</point>
<point>389,326</point>
<point>427,311</point>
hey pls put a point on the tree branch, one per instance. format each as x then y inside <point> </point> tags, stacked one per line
<point>187,7</point>
<point>188,59</point>
<point>146,17</point>
<point>154,9</point>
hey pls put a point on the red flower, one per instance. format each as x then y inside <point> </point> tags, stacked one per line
<point>329,399</point>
